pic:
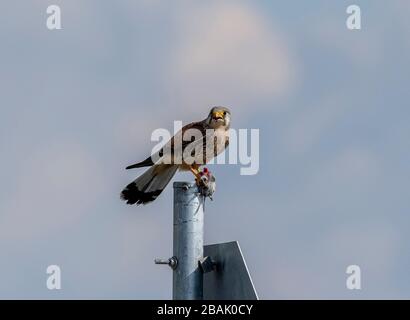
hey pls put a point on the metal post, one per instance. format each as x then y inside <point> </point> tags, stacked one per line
<point>188,241</point>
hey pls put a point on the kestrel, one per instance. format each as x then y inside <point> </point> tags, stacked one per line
<point>211,137</point>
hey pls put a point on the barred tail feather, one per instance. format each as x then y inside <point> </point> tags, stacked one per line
<point>149,185</point>
<point>146,163</point>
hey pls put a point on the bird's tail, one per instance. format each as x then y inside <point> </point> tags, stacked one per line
<point>149,185</point>
<point>146,163</point>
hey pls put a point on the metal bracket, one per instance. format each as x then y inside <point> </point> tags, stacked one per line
<point>172,262</point>
<point>207,264</point>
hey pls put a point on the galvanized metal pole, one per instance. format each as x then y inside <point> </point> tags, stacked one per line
<point>188,241</point>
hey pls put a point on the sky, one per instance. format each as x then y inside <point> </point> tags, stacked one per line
<point>79,104</point>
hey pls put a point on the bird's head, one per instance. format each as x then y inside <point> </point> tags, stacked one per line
<point>219,117</point>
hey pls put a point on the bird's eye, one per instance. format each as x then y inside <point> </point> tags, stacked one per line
<point>224,113</point>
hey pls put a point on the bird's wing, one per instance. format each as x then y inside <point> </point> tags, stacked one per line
<point>173,150</point>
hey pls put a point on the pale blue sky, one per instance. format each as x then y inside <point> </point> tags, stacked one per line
<point>79,104</point>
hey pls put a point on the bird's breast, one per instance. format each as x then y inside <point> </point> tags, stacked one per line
<point>221,137</point>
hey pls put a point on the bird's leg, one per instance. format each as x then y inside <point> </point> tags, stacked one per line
<point>195,172</point>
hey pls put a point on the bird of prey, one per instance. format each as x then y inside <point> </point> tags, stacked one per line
<point>186,154</point>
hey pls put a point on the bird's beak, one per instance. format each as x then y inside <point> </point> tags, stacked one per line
<point>218,115</point>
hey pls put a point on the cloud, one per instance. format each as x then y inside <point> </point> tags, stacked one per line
<point>364,48</point>
<point>229,53</point>
<point>56,185</point>
<point>311,124</point>
<point>374,245</point>
<point>319,271</point>
<point>353,168</point>
<point>132,131</point>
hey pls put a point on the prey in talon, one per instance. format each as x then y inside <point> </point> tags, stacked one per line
<point>207,184</point>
